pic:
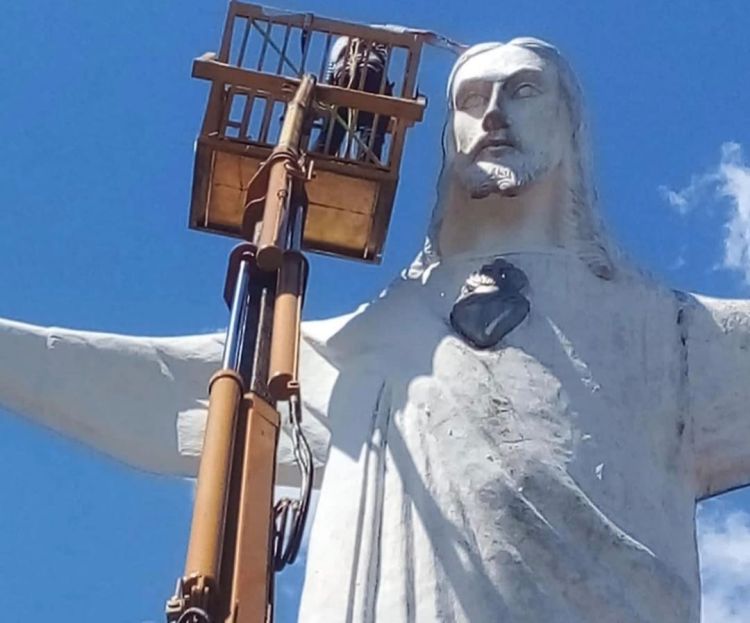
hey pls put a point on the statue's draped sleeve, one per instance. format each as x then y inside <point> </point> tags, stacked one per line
<point>717,343</point>
<point>141,400</point>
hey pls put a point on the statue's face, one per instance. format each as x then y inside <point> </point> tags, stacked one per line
<point>508,122</point>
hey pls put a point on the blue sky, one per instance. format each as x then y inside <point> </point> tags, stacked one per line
<point>97,117</point>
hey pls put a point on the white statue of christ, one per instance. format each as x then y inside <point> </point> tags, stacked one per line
<point>517,430</point>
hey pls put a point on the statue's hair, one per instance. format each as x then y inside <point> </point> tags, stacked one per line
<point>583,230</point>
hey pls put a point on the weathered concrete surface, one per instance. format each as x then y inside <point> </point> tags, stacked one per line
<point>551,478</point>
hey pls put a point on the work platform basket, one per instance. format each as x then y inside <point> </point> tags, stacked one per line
<point>353,143</point>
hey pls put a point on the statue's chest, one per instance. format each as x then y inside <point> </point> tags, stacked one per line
<point>489,403</point>
<point>581,394</point>
<point>490,429</point>
<point>588,379</point>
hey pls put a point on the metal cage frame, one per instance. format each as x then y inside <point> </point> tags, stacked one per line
<point>351,196</point>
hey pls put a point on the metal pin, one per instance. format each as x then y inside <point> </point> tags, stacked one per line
<point>245,122</point>
<point>243,44</point>
<point>267,117</point>
<point>333,118</point>
<point>282,54</point>
<point>308,45</point>
<point>324,62</point>
<point>362,60</point>
<point>266,41</point>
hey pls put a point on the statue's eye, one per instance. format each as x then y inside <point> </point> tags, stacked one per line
<point>473,101</point>
<point>526,90</point>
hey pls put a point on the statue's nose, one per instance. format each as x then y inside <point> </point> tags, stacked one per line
<point>495,118</point>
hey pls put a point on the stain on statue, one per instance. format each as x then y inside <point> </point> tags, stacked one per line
<point>491,304</point>
<point>529,447</point>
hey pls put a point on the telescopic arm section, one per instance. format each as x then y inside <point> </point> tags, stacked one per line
<point>238,537</point>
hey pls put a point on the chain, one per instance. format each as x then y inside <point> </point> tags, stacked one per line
<point>291,515</point>
<point>194,615</point>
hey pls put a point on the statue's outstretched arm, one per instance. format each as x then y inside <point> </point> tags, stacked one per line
<point>139,399</point>
<point>717,343</point>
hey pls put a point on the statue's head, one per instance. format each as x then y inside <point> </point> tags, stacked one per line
<point>515,115</point>
<point>511,116</point>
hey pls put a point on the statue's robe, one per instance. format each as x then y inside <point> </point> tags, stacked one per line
<point>551,478</point>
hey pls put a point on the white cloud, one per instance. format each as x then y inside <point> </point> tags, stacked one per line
<point>724,544</point>
<point>678,200</point>
<point>700,190</point>
<point>729,185</point>
<point>736,187</point>
<point>679,261</point>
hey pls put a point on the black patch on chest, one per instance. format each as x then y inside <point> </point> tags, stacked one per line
<point>491,304</point>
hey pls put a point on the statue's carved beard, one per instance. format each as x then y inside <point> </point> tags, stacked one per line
<point>482,178</point>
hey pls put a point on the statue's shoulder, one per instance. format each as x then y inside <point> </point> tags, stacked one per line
<point>634,281</point>
<point>323,335</point>
<point>723,316</point>
<point>366,329</point>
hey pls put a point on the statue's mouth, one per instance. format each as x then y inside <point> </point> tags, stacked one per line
<point>497,150</point>
<point>489,146</point>
<point>498,142</point>
<point>496,145</point>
